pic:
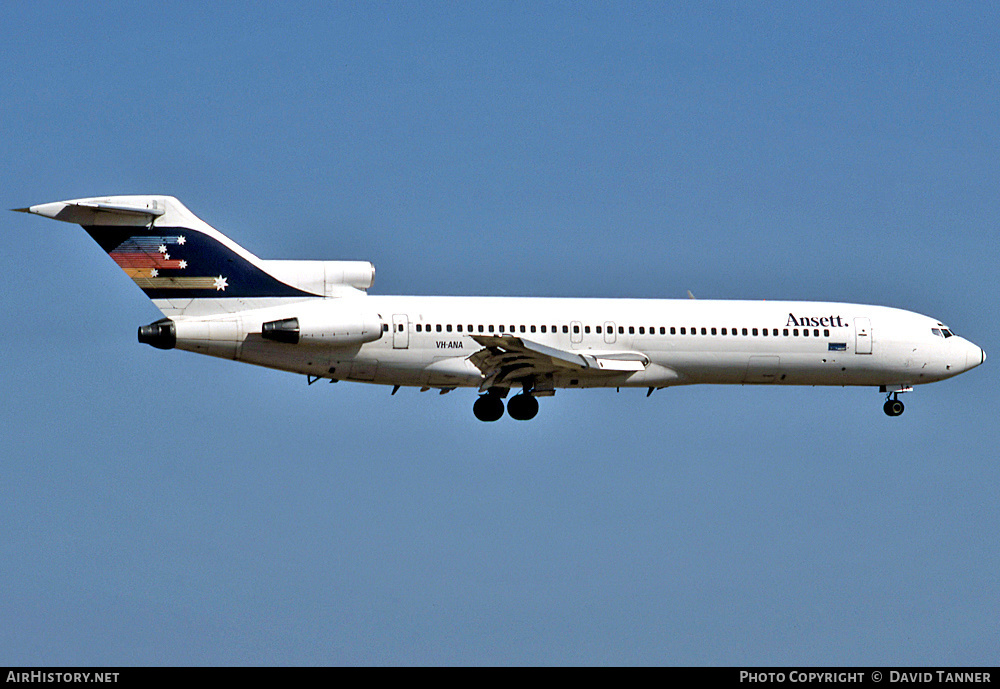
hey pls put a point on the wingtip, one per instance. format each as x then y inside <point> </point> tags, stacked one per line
<point>21,210</point>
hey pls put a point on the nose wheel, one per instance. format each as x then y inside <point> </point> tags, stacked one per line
<point>892,406</point>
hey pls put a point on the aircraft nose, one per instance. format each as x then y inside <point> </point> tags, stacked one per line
<point>975,355</point>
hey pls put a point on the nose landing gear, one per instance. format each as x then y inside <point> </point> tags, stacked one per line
<point>892,406</point>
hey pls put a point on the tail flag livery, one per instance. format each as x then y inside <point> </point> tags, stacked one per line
<point>186,266</point>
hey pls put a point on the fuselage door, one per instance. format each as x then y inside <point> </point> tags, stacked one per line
<point>609,333</point>
<point>576,332</point>
<point>862,336</point>
<point>400,331</point>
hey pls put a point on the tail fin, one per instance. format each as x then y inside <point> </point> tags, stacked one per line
<point>179,261</point>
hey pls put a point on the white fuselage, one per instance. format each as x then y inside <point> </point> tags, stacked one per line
<point>426,341</point>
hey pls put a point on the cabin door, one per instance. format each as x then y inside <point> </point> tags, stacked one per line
<point>862,336</point>
<point>400,331</point>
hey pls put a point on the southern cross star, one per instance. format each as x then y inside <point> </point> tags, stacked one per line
<point>220,284</point>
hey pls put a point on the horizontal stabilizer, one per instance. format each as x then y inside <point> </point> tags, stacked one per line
<point>128,211</point>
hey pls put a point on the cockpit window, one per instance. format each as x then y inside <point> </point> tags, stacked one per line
<point>937,332</point>
<point>947,333</point>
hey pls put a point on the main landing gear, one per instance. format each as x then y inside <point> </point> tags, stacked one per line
<point>489,407</point>
<point>522,407</point>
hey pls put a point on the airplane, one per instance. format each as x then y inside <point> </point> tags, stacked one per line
<point>316,318</point>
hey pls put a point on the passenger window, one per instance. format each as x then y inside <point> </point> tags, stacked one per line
<point>785,332</point>
<point>522,329</point>
<point>745,331</point>
<point>459,327</point>
<point>805,333</point>
<point>755,332</point>
<point>438,327</point>
<point>795,332</point>
<point>598,329</point>
<point>673,330</point>
<point>631,330</point>
<point>642,330</point>
<point>683,331</point>
<point>418,327</point>
<point>586,329</point>
<point>621,329</point>
<point>565,328</point>
<point>448,327</point>
<point>826,333</point>
<point>704,331</point>
<point>816,332</point>
<point>663,330</point>
<point>764,332</point>
<point>576,329</point>
<point>543,328</point>
<point>724,332</point>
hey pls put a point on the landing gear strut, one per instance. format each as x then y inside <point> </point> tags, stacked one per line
<point>892,406</point>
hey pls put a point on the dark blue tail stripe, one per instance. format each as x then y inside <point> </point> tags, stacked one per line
<point>179,263</point>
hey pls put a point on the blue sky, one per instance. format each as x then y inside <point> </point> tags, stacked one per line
<point>164,508</point>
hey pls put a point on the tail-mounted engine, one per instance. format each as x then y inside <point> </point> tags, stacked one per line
<point>318,328</point>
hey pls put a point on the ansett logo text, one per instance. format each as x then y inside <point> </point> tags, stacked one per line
<point>816,321</point>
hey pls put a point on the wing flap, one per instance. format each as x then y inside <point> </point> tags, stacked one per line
<point>506,357</point>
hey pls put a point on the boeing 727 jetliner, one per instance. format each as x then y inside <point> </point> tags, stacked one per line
<point>316,318</point>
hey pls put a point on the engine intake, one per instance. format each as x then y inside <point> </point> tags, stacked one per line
<point>285,330</point>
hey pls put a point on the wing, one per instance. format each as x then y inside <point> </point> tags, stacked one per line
<point>507,358</point>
